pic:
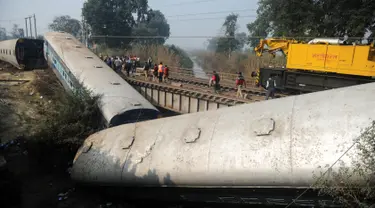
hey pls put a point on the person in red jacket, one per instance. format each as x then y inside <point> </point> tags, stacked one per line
<point>166,73</point>
<point>240,83</point>
<point>155,73</point>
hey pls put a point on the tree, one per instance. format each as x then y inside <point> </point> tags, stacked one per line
<point>154,25</point>
<point>228,44</point>
<point>17,32</point>
<point>242,39</point>
<point>212,44</point>
<point>318,18</point>
<point>3,33</point>
<point>66,24</point>
<point>114,18</point>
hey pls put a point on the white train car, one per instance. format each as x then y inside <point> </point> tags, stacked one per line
<point>265,152</point>
<point>74,65</point>
<point>23,53</point>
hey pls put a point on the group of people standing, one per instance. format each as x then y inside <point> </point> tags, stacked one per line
<point>127,63</point>
<point>159,72</point>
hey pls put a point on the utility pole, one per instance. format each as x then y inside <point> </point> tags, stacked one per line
<point>27,32</point>
<point>83,31</point>
<point>36,35</point>
<point>31,30</point>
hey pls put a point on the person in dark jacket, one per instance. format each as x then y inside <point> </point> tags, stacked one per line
<point>271,87</point>
<point>215,82</point>
<point>146,70</point>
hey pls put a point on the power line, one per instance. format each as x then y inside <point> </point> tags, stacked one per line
<point>208,36</point>
<point>227,11</point>
<point>11,20</point>
<point>189,2</point>
<point>211,18</point>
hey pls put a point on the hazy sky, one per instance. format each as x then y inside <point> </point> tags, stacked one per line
<point>184,16</point>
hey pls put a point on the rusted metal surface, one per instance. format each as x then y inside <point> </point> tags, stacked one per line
<point>302,137</point>
<point>181,99</point>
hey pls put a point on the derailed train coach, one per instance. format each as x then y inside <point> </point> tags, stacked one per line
<point>76,66</point>
<point>260,153</point>
<point>23,53</point>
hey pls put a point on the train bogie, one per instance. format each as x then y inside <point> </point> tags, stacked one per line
<point>75,65</point>
<point>23,53</point>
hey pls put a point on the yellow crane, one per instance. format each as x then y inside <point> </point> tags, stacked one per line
<point>319,64</point>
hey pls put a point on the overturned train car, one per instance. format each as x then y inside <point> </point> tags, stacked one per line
<point>23,53</point>
<point>76,66</point>
<point>259,153</point>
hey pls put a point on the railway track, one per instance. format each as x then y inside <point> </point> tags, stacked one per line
<point>191,91</point>
<point>226,85</point>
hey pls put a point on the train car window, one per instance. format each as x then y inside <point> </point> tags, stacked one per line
<point>10,52</point>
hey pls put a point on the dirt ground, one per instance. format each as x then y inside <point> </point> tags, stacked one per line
<point>27,184</point>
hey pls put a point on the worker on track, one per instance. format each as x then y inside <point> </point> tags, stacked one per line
<point>160,71</point>
<point>118,65</point>
<point>215,82</point>
<point>240,83</point>
<point>155,73</point>
<point>128,66</point>
<point>166,73</point>
<point>149,61</point>
<point>146,70</point>
<point>271,87</point>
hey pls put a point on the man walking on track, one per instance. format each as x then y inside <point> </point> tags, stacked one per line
<point>240,83</point>
<point>160,72</point>
<point>215,82</point>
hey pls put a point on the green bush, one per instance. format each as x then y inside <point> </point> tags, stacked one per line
<point>352,185</point>
<point>65,126</point>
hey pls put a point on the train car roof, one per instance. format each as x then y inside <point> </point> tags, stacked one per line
<point>277,143</point>
<point>95,75</point>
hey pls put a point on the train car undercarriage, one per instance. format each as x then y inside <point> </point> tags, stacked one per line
<point>298,81</point>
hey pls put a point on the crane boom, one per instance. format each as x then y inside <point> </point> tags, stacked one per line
<point>274,45</point>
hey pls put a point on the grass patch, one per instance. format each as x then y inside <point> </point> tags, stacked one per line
<point>239,62</point>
